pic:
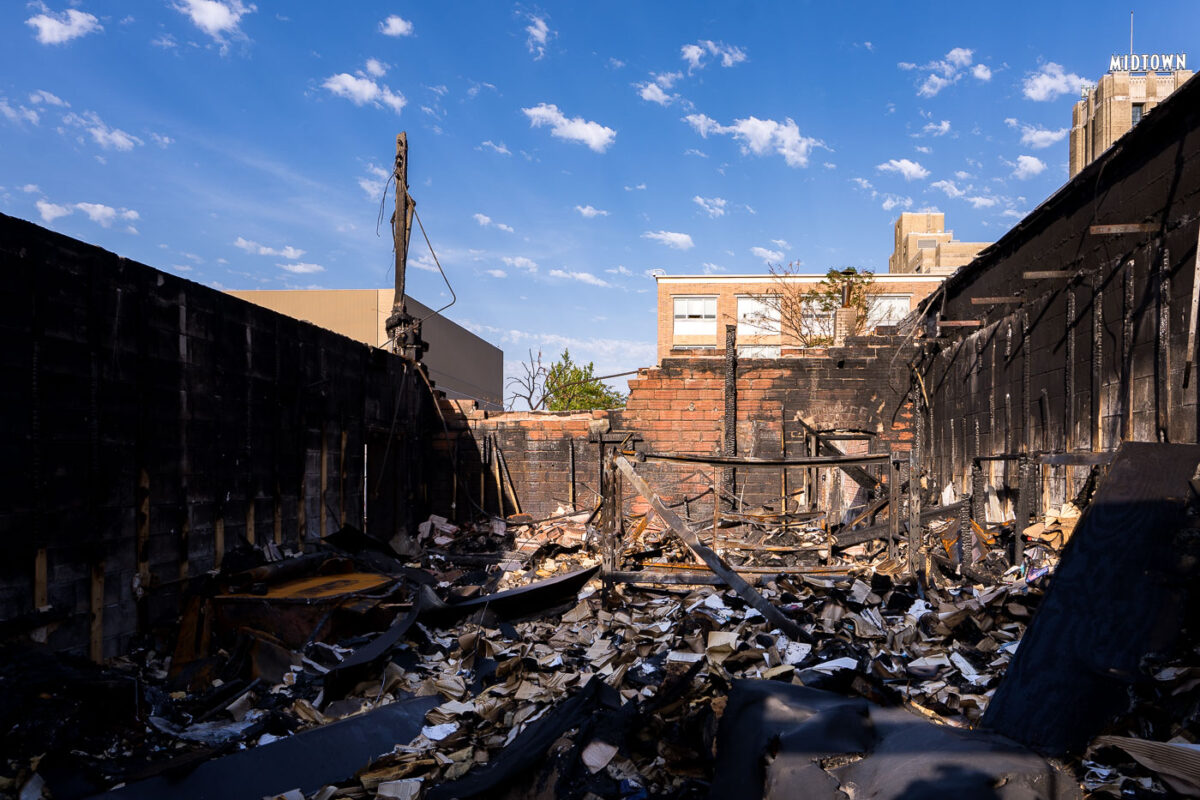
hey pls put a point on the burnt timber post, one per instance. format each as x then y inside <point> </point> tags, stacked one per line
<point>404,332</point>
<point>729,448</point>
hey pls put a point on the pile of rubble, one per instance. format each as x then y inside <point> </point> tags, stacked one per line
<point>500,665</point>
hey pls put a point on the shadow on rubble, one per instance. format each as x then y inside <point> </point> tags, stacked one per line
<point>781,741</point>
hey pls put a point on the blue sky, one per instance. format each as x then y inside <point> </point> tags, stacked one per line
<point>559,152</point>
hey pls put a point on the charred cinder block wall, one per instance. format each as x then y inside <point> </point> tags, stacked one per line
<point>1095,355</point>
<point>150,425</point>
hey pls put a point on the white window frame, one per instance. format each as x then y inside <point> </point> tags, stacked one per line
<point>875,319</point>
<point>756,316</point>
<point>698,317</point>
<point>758,351</point>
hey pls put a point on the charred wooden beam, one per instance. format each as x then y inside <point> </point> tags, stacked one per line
<point>714,561</point>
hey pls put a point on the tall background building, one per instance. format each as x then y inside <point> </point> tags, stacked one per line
<point>924,245</point>
<point>1132,87</point>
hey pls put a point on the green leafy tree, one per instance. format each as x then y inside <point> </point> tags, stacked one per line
<point>572,387</point>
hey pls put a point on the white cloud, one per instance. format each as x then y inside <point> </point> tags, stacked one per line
<point>768,256</point>
<point>582,277</point>
<point>947,71</point>
<point>691,151</point>
<point>621,269</point>
<point>361,90</point>
<point>781,243</point>
<point>521,262</point>
<point>654,90</point>
<point>539,34</point>
<point>496,148</point>
<point>982,201</point>
<point>166,41</point>
<point>713,206</point>
<point>593,134</point>
<point>1037,137</point>
<point>217,18</point>
<point>376,68</point>
<point>937,128</point>
<point>161,140</point>
<point>374,182</point>
<point>590,212</point>
<point>679,241</point>
<point>1050,81</point>
<point>949,187</point>
<point>923,149</point>
<point>30,188</point>
<point>709,268</point>
<point>760,136</point>
<point>497,273</point>
<point>42,96</point>
<point>104,215</point>
<point>51,28</point>
<point>911,170</point>
<point>696,55</point>
<point>396,26</point>
<point>301,268</point>
<point>653,93</point>
<point>18,114</point>
<point>52,211</point>
<point>638,188</point>
<point>108,138</point>
<point>487,222</point>
<point>863,183</point>
<point>287,251</point>
<point>1027,167</point>
<point>963,175</point>
<point>891,201</point>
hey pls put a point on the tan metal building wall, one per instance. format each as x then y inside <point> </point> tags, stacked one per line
<point>460,363</point>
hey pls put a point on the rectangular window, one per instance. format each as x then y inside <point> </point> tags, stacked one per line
<point>1135,113</point>
<point>757,316</point>
<point>758,351</point>
<point>816,324</point>
<point>695,315</point>
<point>887,309</point>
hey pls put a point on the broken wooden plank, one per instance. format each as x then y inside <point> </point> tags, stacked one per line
<point>960,323</point>
<point>1129,227</point>
<point>996,301</point>
<point>714,561</point>
<point>1034,275</point>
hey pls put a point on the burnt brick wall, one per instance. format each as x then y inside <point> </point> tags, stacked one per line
<point>1105,357</point>
<point>151,424</point>
<point>679,407</point>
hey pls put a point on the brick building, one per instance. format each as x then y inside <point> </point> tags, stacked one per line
<point>1133,86</point>
<point>693,310</point>
<point>923,245</point>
